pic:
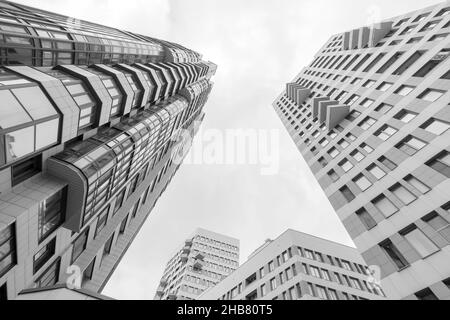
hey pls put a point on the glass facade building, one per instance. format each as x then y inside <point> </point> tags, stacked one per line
<point>370,115</point>
<point>90,117</point>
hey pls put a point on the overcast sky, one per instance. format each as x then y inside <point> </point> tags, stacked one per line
<point>259,45</point>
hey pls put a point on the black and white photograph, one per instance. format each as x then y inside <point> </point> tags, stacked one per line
<point>219,158</point>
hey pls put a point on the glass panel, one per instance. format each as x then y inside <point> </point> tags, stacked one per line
<point>47,133</point>
<point>19,143</point>
<point>81,100</point>
<point>11,113</point>
<point>75,89</point>
<point>421,243</point>
<point>35,102</point>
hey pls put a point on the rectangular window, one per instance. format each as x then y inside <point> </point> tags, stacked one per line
<point>433,63</point>
<point>405,116</point>
<point>25,170</point>
<point>273,284</point>
<point>385,206</point>
<point>51,214</point>
<point>367,123</point>
<point>390,62</point>
<point>441,163</point>
<point>263,290</point>
<point>394,254</point>
<point>376,172</point>
<point>439,224</point>
<point>366,219</point>
<point>102,220</point>
<point>79,245</point>
<point>419,241</point>
<point>89,272</point>
<point>388,163</point>
<point>123,225</point>
<point>404,90</point>
<point>50,277</point>
<point>431,95</point>
<point>43,255</point>
<point>411,145</point>
<point>333,175</point>
<point>347,193</point>
<point>362,182</point>
<point>408,63</point>
<point>8,256</point>
<point>416,183</point>
<point>271,266</point>
<point>315,272</point>
<point>435,126</point>
<point>385,132</point>
<point>346,165</point>
<point>119,200</point>
<point>426,294</point>
<point>384,108</point>
<point>385,86</point>
<point>321,292</point>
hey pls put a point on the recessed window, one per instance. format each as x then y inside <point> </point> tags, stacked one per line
<point>441,163</point>
<point>431,95</point>
<point>343,144</point>
<point>419,241</point>
<point>388,163</point>
<point>403,194</point>
<point>362,182</point>
<point>7,249</point>
<point>385,206</point>
<point>433,63</point>
<point>89,272</point>
<point>366,219</point>
<point>435,126</point>
<point>347,193</point>
<point>394,254</point>
<point>44,255</point>
<point>324,142</point>
<point>439,224</point>
<point>385,132</point>
<point>50,277</point>
<point>411,145</point>
<point>384,108</point>
<point>404,90</point>
<point>384,86</point>
<point>376,171</point>
<point>350,137</point>
<point>333,175</point>
<point>367,103</point>
<point>367,148</point>
<point>51,213</point>
<point>358,156</point>
<point>416,183</point>
<point>368,83</point>
<point>367,123</point>
<point>405,116</point>
<point>26,169</point>
<point>102,220</point>
<point>79,245</point>
<point>333,152</point>
<point>346,165</point>
<point>426,294</point>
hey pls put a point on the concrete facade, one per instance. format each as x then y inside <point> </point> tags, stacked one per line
<point>90,123</point>
<point>202,261</point>
<point>384,162</point>
<point>298,266</point>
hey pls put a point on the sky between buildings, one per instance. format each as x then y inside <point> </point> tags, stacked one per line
<point>259,45</point>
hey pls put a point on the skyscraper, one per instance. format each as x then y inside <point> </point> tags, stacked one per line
<point>299,266</point>
<point>89,119</point>
<point>201,262</point>
<point>370,115</point>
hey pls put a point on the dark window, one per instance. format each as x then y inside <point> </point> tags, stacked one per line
<point>102,220</point>
<point>446,282</point>
<point>394,254</point>
<point>89,272</point>
<point>7,249</point>
<point>252,296</point>
<point>347,193</point>
<point>408,63</point>
<point>123,225</point>
<point>108,246</point>
<point>250,279</point>
<point>366,219</point>
<point>3,293</point>
<point>135,210</point>
<point>26,169</point>
<point>426,294</point>
<point>119,200</point>
<point>44,255</point>
<point>433,63</point>
<point>390,62</point>
<point>79,245</point>
<point>374,62</point>
<point>52,214</point>
<point>50,277</point>
<point>439,224</point>
<point>441,163</point>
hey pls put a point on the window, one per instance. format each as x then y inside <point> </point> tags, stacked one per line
<point>394,254</point>
<point>102,220</point>
<point>433,63</point>
<point>271,266</point>
<point>289,274</point>
<point>355,283</point>
<point>321,292</point>
<point>309,254</point>
<point>384,108</point>
<point>426,294</point>
<point>50,277</point>
<point>89,272</point>
<point>79,245</point>
<point>385,206</point>
<point>333,152</point>
<point>343,144</point>
<point>388,163</point>
<point>250,279</point>
<point>119,200</point>
<point>26,169</point>
<point>311,289</point>
<point>408,63</point>
<point>376,171</point>
<point>315,272</point>
<point>346,165</point>
<point>273,284</point>
<point>43,255</point>
<point>435,126</point>
<point>7,249</point>
<point>419,241</point>
<point>405,116</point>
<point>411,145</point>
<point>333,175</point>
<point>416,183</point>
<point>108,246</point>
<point>51,214</point>
<point>261,273</point>
<point>367,123</point>
<point>441,163</point>
<point>385,132</point>
<point>367,103</point>
<point>263,290</point>
<point>332,294</point>
<point>326,275</point>
<point>368,83</point>
<point>347,194</point>
<point>123,225</point>
<point>366,148</point>
<point>439,224</point>
<point>362,182</point>
<point>404,90</point>
<point>384,86</point>
<point>366,219</point>
<point>431,95</point>
<point>390,62</point>
<point>3,292</point>
<point>358,156</point>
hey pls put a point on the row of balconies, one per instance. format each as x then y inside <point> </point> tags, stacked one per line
<point>366,36</point>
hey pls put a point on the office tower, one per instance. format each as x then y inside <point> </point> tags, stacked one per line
<point>298,266</point>
<point>370,115</point>
<point>89,119</point>
<point>201,262</point>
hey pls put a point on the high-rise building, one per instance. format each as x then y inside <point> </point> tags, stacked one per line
<point>299,266</point>
<point>201,262</point>
<point>370,115</point>
<point>90,117</point>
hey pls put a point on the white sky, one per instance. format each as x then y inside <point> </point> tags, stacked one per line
<point>259,45</point>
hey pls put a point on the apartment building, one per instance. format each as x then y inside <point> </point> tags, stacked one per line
<point>201,262</point>
<point>370,115</point>
<point>90,118</point>
<point>299,266</point>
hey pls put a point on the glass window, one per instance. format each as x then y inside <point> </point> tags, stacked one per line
<point>366,219</point>
<point>43,255</point>
<point>19,143</point>
<point>321,293</point>
<point>394,254</point>
<point>347,194</point>
<point>436,127</point>
<point>25,169</point>
<point>7,249</point>
<point>386,132</point>
<point>376,171</point>
<point>47,133</point>
<point>411,145</point>
<point>404,90</point>
<point>346,165</point>
<point>362,182</point>
<point>79,245</point>
<point>11,113</point>
<point>426,294</point>
<point>439,224</point>
<point>441,163</point>
<point>51,214</point>
<point>420,241</point>
<point>315,272</point>
<point>35,102</point>
<point>385,206</point>
<point>405,116</point>
<point>431,95</point>
<point>416,183</point>
<point>50,277</point>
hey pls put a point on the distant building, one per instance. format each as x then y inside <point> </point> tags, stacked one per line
<point>202,261</point>
<point>298,266</point>
<point>370,115</point>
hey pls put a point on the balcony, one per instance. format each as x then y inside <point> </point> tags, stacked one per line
<point>366,36</point>
<point>328,111</point>
<point>297,93</point>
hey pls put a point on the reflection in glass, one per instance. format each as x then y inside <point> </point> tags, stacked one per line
<point>35,102</point>
<point>46,133</point>
<point>19,143</point>
<point>11,113</point>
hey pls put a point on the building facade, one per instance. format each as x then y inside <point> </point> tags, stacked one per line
<point>299,266</point>
<point>205,259</point>
<point>90,118</point>
<point>370,115</point>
